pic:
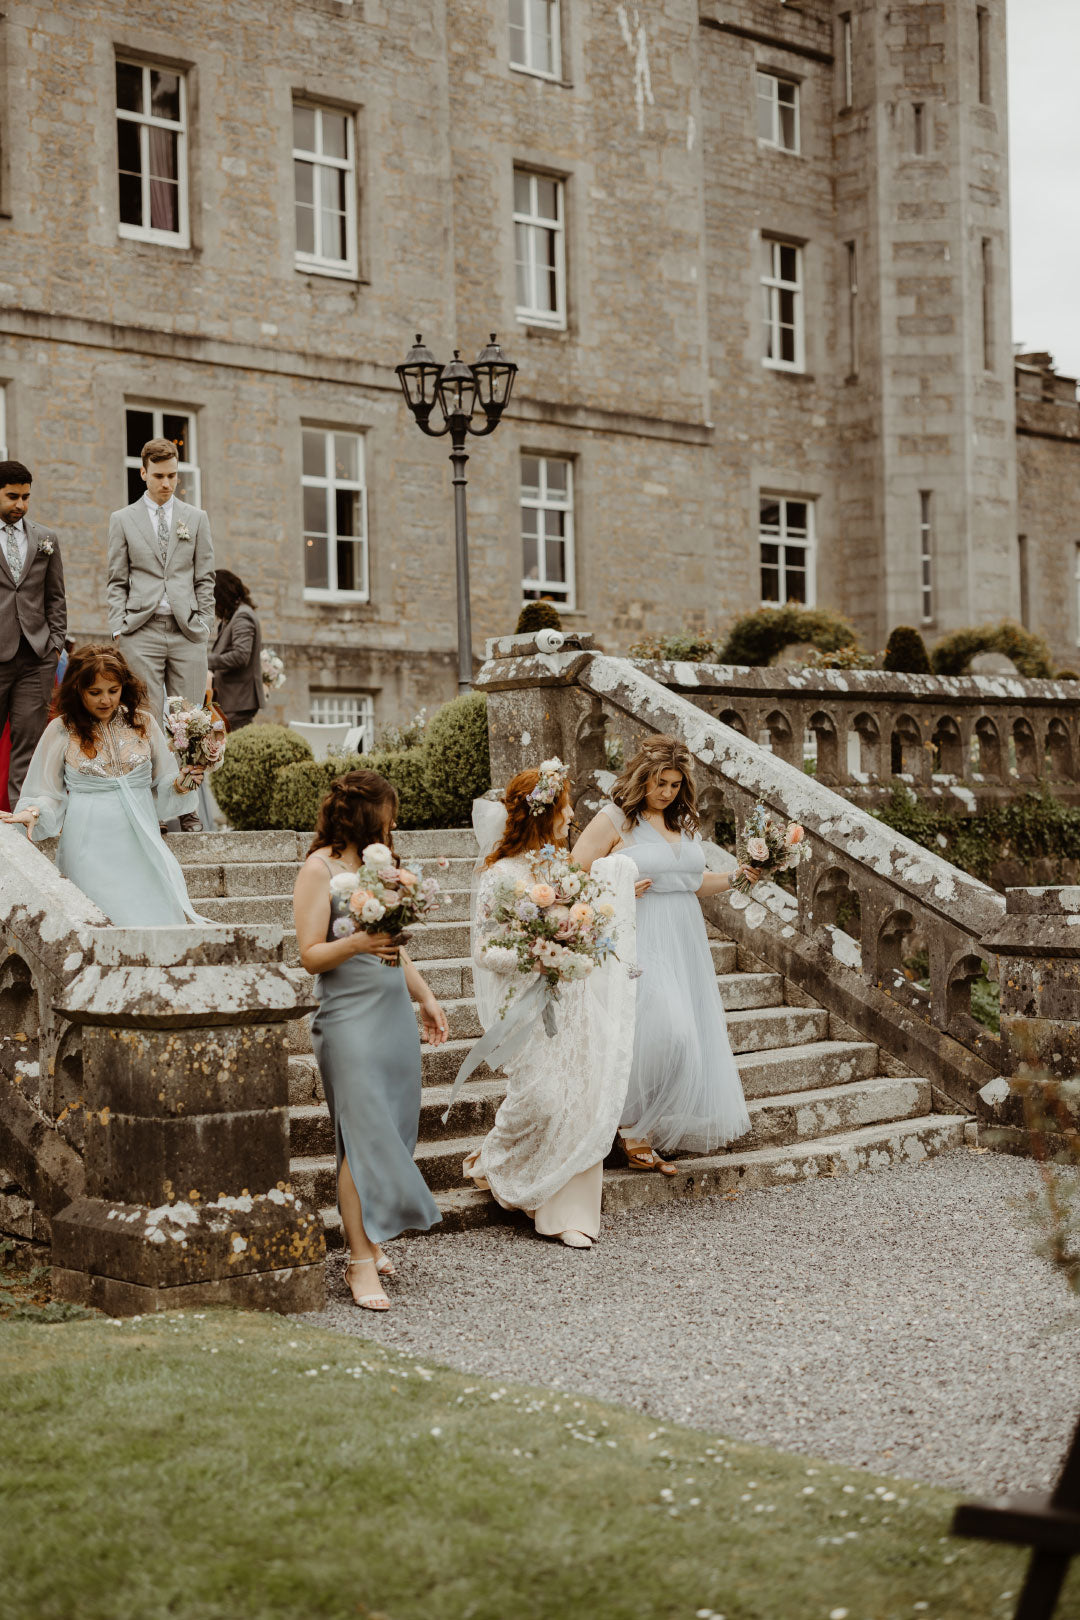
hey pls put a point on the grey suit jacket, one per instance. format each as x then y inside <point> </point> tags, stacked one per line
<point>137,575</point>
<point>236,662</point>
<point>36,607</point>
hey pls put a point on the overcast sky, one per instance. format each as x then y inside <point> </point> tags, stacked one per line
<point>1044,140</point>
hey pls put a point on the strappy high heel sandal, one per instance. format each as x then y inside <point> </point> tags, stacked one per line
<point>640,1156</point>
<point>366,1302</point>
<point>383,1264</point>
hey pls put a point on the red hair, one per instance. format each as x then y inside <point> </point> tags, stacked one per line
<point>84,666</point>
<point>524,831</point>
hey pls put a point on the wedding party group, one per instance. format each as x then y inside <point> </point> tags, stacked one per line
<point>85,727</point>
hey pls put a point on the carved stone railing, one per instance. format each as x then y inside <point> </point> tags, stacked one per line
<point>866,902</point>
<point>144,1100</point>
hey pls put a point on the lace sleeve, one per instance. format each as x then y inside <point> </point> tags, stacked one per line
<point>44,788</point>
<point>484,927</point>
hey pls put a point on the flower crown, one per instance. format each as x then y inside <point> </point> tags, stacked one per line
<point>550,783</point>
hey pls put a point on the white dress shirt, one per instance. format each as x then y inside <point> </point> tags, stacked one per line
<point>153,507</point>
<point>20,541</point>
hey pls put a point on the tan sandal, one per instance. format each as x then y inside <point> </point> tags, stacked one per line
<point>366,1302</point>
<point>640,1156</point>
<point>383,1263</point>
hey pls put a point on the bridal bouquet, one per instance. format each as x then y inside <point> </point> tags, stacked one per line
<point>555,924</point>
<point>273,670</point>
<point>769,847</point>
<point>196,737</point>
<point>380,897</point>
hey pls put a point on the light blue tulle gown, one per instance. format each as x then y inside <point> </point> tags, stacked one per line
<point>105,810</point>
<point>367,1046</point>
<point>684,1089</point>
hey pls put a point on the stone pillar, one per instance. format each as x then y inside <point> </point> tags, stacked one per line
<point>1035,1102</point>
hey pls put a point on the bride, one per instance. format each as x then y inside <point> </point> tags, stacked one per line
<point>564,1093</point>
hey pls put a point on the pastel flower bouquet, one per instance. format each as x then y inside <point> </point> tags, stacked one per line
<point>768,847</point>
<point>197,738</point>
<point>380,897</point>
<point>273,670</point>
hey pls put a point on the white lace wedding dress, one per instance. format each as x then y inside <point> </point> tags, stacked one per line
<point>565,1093</point>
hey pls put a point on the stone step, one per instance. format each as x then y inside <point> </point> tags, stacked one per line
<point>428,843</point>
<point>240,878</point>
<point>757,1029</point>
<point>217,848</point>
<point>462,1209</point>
<point>439,1066</point>
<point>806,1068</point>
<point>742,990</point>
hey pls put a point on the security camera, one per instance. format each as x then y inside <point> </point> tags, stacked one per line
<point>549,641</point>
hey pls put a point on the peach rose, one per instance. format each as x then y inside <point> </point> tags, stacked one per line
<point>581,915</point>
<point>407,879</point>
<point>359,899</point>
<point>795,834</point>
<point>757,849</point>
<point>542,895</point>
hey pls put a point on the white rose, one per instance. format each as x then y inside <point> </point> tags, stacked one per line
<point>371,911</point>
<point>500,959</point>
<point>344,883</point>
<point>377,856</point>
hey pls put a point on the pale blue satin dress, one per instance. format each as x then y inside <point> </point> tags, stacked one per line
<point>106,810</point>
<point>684,1089</point>
<point>367,1046</point>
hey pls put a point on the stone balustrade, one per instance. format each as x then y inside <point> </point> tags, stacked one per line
<point>144,1100</point>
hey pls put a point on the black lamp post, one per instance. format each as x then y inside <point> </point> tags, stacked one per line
<point>458,389</point>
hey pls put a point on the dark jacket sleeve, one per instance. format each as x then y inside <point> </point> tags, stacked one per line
<point>55,599</point>
<point>237,654</point>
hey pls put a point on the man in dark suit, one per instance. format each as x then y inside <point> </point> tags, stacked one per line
<point>33,620</point>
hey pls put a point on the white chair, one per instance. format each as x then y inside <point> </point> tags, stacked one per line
<point>327,741</point>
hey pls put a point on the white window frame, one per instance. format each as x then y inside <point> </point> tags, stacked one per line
<point>553,9</point>
<point>330,482</point>
<point>535,224</point>
<point>317,263</point>
<point>146,122</point>
<point>344,709</point>
<point>774,141</point>
<point>926,555</point>
<point>851,250</point>
<point>546,502</point>
<point>772,285</point>
<point>781,540</point>
<point>189,475</point>
<point>847,61</point>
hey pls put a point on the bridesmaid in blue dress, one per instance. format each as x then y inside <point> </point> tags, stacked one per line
<point>684,1089</point>
<point>102,778</point>
<point>365,1039</point>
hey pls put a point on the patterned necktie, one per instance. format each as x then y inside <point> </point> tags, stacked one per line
<point>14,560</point>
<point>162,532</point>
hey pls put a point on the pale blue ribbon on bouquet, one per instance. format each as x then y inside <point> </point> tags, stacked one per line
<point>510,1036</point>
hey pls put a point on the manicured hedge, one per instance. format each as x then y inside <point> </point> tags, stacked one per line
<point>244,784</point>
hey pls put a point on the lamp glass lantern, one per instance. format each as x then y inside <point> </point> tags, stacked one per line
<point>457,389</point>
<point>494,375</point>
<point>419,375</point>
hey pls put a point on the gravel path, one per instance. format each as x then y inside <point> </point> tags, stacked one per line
<point>896,1321</point>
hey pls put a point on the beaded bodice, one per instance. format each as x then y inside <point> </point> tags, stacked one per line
<point>119,749</point>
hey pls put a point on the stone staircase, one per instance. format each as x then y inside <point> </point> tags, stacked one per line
<point>822,1101</point>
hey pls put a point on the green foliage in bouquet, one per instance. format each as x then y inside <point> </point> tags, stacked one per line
<point>905,652</point>
<point>244,784</point>
<point>534,616</point>
<point>1030,653</point>
<point>758,638</point>
<point>457,763</point>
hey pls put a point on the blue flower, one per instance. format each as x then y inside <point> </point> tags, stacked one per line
<point>548,850</point>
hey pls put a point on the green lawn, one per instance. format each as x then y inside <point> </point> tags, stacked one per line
<point>221,1466</point>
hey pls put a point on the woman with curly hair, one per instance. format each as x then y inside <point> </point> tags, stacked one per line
<point>365,1039</point>
<point>684,1089</point>
<point>102,777</point>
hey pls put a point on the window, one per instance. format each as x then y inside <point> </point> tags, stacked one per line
<point>3,423</point>
<point>142,422</point>
<point>778,112</point>
<point>335,515</point>
<point>539,248</point>
<point>786,529</point>
<point>847,86</point>
<point>918,128</point>
<point>547,529</point>
<point>926,555</point>
<point>982,26</point>
<point>345,709</point>
<point>324,177</point>
<point>781,286</point>
<point>1077,575</point>
<point>535,46</point>
<point>987,268</point>
<point>151,140</point>
<point>853,308</point>
<point>1025,584</point>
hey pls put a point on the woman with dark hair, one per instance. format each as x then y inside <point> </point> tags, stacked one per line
<point>684,1089</point>
<point>235,659</point>
<point>365,1039</point>
<point>102,777</point>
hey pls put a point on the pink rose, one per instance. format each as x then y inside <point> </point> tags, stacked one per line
<point>757,849</point>
<point>795,834</point>
<point>542,895</point>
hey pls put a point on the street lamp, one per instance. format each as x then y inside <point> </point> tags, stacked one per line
<point>458,390</point>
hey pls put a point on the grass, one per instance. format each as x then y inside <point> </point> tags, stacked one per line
<point>230,1466</point>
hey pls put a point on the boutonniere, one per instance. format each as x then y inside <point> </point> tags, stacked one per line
<point>46,547</point>
<point>183,532</point>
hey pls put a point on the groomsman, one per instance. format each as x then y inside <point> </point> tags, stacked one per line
<point>161,586</point>
<point>33,620</point>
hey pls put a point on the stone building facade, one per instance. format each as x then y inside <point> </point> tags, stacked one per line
<point>751,259</point>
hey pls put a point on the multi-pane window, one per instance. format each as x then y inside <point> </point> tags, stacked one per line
<point>324,176</point>
<point>982,25</point>
<point>143,422</point>
<point>847,65</point>
<point>540,248</point>
<point>926,555</point>
<point>852,254</point>
<point>547,529</point>
<point>987,271</point>
<point>781,288</point>
<point>3,423</point>
<point>345,709</point>
<point>786,530</point>
<point>778,112</point>
<point>535,46</point>
<point>151,138</point>
<point>335,514</point>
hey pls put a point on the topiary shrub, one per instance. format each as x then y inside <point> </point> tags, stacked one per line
<point>244,784</point>
<point>681,647</point>
<point>406,768</point>
<point>457,764</point>
<point>758,638</point>
<point>298,792</point>
<point>905,652</point>
<point>543,615</point>
<point>1067,675</point>
<point>1030,653</point>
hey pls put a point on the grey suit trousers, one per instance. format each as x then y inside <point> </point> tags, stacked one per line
<point>168,662</point>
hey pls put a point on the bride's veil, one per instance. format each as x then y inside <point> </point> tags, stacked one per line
<point>489,824</point>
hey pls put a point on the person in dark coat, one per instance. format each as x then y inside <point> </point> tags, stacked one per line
<point>236,657</point>
<point>33,621</point>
